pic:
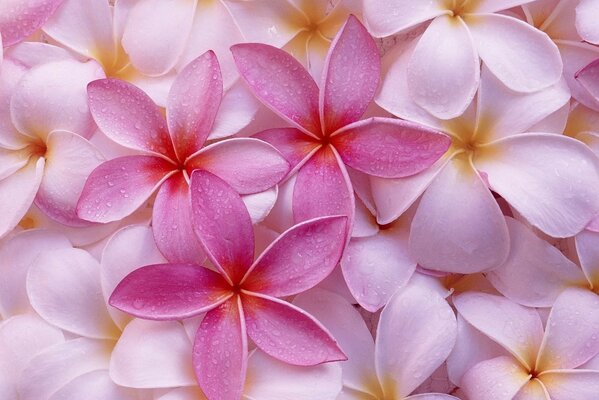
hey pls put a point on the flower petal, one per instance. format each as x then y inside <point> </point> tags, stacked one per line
<point>293,144</point>
<point>349,81</point>
<point>518,329</point>
<point>95,385</point>
<point>237,110</point>
<point>572,333</point>
<point>444,71</point>
<point>588,77</point>
<point>222,224</point>
<point>247,165</point>
<point>260,204</point>
<point>560,202</point>
<point>522,57</point>
<point>129,117</point>
<point>299,259</point>
<point>220,352</point>
<point>497,379</point>
<point>587,249</point>
<point>385,18</point>
<point>389,148</point>
<point>281,83</point>
<point>533,390</point>
<point>535,272</point>
<point>155,51</point>
<point>572,384</point>
<point>164,292</point>
<point>120,186</point>
<point>459,218</point>
<point>193,102</point>
<point>586,25</point>
<point>576,56</point>
<point>152,354</point>
<point>19,19</point>
<point>288,333</point>
<point>325,171</point>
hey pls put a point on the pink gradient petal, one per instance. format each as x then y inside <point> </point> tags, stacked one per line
<point>247,165</point>
<point>535,272</point>
<point>533,390</point>
<point>325,171</point>
<point>383,18</point>
<point>497,379</point>
<point>586,23</point>
<point>220,352</point>
<point>165,292</point>
<point>21,18</point>
<point>374,267</point>
<point>128,116</point>
<point>572,333</point>
<point>587,248</point>
<point>572,384</point>
<point>288,333</point>
<point>518,329</point>
<point>70,159</point>
<point>281,83</point>
<point>95,385</point>
<point>491,6</point>
<point>120,186</point>
<point>222,224</point>
<point>416,340</point>
<point>193,102</point>
<point>588,77</point>
<point>389,148</point>
<point>171,222</point>
<point>293,144</point>
<point>444,71</point>
<point>443,222</point>
<point>349,82</point>
<point>560,203</point>
<point>299,259</point>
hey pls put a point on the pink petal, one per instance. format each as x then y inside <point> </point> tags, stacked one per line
<point>237,110</point>
<point>220,352</point>
<point>128,116</point>
<point>587,248</point>
<point>535,272</point>
<point>281,83</point>
<point>288,333</point>
<point>444,236</point>
<point>299,259</point>
<point>95,385</point>
<point>444,70</point>
<point>375,267</point>
<point>491,6</point>
<point>383,18</point>
<point>69,161</point>
<point>247,165</point>
<point>352,72</point>
<point>560,202</point>
<point>518,329</point>
<point>170,292</point>
<point>293,144</point>
<point>572,384</point>
<point>586,24</point>
<point>118,187</point>
<point>389,148</point>
<point>533,390</point>
<point>325,171</point>
<point>155,51</point>
<point>497,379</point>
<point>171,222</point>
<point>588,77</point>
<point>21,18</point>
<point>420,343</point>
<point>572,333</point>
<point>17,193</point>
<point>193,102</point>
<point>222,224</point>
<point>576,56</point>
<point>522,57</point>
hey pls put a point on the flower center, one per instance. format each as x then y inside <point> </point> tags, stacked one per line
<point>37,148</point>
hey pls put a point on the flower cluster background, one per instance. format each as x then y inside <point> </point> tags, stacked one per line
<point>299,200</point>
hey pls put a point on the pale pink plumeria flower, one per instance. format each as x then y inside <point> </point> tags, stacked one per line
<point>44,126</point>
<point>172,148</point>
<point>444,69</point>
<point>531,362</point>
<point>327,134</point>
<point>550,179</point>
<point>304,28</point>
<point>244,298</point>
<point>586,20</point>
<point>557,19</point>
<point>416,332</point>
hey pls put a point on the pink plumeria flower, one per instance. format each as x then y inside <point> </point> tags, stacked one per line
<point>550,179</point>
<point>416,332</point>
<point>586,24</point>
<point>327,134</point>
<point>444,69</point>
<point>534,362</point>
<point>588,77</point>
<point>243,298</point>
<point>173,148</point>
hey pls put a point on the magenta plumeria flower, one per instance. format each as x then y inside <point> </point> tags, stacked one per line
<point>172,149</point>
<point>327,134</point>
<point>244,297</point>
